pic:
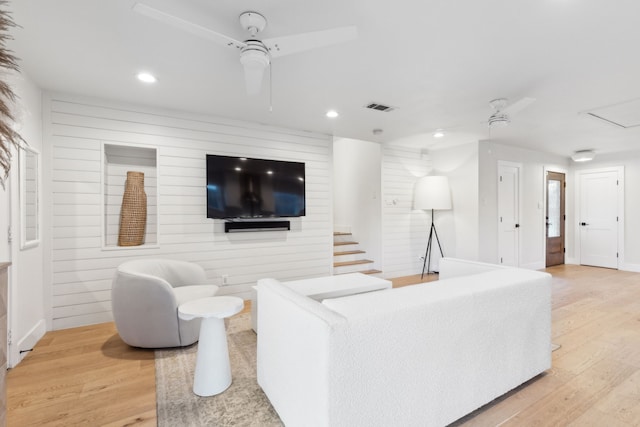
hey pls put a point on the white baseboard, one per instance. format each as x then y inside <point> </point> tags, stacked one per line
<point>243,292</point>
<point>533,266</point>
<point>635,268</point>
<point>629,267</point>
<point>26,343</point>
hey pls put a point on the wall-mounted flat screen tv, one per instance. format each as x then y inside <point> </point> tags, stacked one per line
<point>240,187</point>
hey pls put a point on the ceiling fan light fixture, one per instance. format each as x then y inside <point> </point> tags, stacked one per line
<point>583,155</point>
<point>499,120</point>
<point>254,61</point>
<point>439,133</point>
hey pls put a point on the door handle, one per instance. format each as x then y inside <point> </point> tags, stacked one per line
<point>517,225</point>
<point>583,224</point>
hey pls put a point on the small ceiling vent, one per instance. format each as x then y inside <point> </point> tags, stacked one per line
<point>379,107</point>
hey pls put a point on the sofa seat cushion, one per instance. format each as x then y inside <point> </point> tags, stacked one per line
<point>189,293</point>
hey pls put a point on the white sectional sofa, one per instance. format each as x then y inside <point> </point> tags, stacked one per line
<point>423,355</point>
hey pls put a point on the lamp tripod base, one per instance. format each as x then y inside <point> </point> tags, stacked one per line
<point>427,255</point>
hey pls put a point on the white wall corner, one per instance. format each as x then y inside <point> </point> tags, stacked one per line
<point>26,343</point>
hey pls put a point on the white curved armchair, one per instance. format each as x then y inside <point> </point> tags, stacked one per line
<point>145,296</point>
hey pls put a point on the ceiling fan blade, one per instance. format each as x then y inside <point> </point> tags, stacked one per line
<point>518,106</point>
<point>187,26</point>
<point>287,45</point>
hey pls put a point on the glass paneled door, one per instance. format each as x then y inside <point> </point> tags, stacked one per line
<point>555,218</point>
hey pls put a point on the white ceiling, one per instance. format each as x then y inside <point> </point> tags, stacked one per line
<point>438,62</point>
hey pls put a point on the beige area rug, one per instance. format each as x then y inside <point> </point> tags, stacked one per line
<point>242,404</point>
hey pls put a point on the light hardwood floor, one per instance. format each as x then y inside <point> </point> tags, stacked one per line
<point>87,376</point>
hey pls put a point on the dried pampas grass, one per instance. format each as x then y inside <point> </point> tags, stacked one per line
<point>8,136</point>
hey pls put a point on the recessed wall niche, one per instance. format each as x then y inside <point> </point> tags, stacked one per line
<point>119,159</point>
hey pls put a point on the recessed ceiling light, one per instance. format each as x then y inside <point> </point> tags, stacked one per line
<point>332,114</point>
<point>439,133</point>
<point>147,77</point>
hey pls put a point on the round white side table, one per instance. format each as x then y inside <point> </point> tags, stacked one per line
<point>213,372</point>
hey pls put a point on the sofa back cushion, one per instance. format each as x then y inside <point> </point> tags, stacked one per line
<point>453,267</point>
<point>432,294</point>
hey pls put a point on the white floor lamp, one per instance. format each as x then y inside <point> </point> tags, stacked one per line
<point>432,192</point>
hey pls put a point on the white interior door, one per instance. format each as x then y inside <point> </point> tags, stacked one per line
<point>598,218</point>
<point>509,214</point>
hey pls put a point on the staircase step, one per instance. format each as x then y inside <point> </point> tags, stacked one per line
<point>348,253</point>
<point>356,262</point>
<point>363,272</point>
<point>344,243</point>
<point>341,233</point>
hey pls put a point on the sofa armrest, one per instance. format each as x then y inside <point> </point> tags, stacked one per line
<point>293,352</point>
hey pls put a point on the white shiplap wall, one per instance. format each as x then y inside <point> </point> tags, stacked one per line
<point>404,230</point>
<point>82,269</point>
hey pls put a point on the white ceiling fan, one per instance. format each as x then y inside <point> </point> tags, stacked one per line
<point>255,54</point>
<point>503,112</point>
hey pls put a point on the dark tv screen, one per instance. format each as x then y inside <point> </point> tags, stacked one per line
<point>240,187</point>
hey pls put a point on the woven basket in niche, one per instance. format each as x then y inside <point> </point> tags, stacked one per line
<point>133,214</point>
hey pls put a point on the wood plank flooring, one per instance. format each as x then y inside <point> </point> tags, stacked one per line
<point>88,377</point>
<point>83,377</point>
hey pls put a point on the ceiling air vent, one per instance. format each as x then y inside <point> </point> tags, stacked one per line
<point>379,107</point>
